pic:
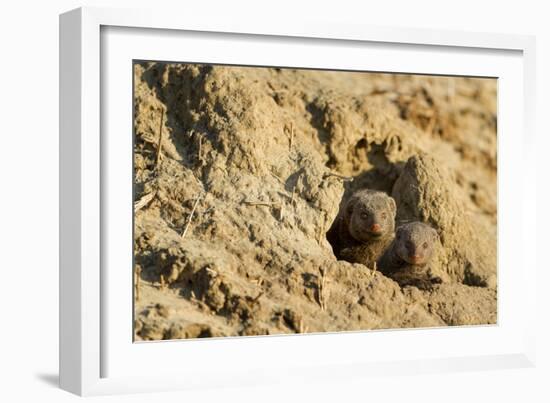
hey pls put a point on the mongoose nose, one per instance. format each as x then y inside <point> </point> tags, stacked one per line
<point>415,258</point>
<point>376,228</point>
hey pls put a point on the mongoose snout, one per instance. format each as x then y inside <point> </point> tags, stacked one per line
<point>415,254</point>
<point>376,228</point>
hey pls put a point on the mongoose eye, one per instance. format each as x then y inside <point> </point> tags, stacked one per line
<point>425,245</point>
<point>364,216</point>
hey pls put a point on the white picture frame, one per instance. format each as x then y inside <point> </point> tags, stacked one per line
<point>93,349</point>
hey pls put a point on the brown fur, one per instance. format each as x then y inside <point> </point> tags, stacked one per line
<point>366,253</point>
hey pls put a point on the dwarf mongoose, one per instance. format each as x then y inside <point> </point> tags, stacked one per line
<point>407,257</point>
<point>365,227</point>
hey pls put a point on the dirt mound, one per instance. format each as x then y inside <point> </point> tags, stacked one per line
<point>231,220</point>
<point>426,191</point>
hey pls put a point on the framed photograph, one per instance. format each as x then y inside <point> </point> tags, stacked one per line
<point>248,202</point>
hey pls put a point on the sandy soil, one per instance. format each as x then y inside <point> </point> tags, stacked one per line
<point>232,215</point>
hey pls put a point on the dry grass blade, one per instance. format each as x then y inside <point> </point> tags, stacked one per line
<point>281,210</point>
<point>159,145</point>
<point>293,195</point>
<point>294,191</point>
<point>321,286</point>
<point>144,201</point>
<point>335,175</point>
<point>212,272</point>
<point>291,136</point>
<point>321,228</point>
<point>257,280</point>
<point>191,216</point>
<point>137,281</point>
<point>200,149</point>
<point>261,203</point>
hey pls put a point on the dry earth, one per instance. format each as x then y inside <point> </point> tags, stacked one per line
<point>231,220</point>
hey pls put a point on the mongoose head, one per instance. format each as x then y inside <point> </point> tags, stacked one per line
<point>370,215</point>
<point>415,243</point>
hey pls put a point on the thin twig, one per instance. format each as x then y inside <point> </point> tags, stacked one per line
<point>324,285</point>
<point>261,203</point>
<point>257,280</point>
<point>162,282</point>
<point>294,189</point>
<point>144,201</point>
<point>159,146</point>
<point>191,216</point>
<point>212,272</point>
<point>321,289</point>
<point>138,277</point>
<point>431,124</point>
<point>344,178</point>
<point>148,139</point>
<point>293,195</point>
<point>321,228</point>
<point>291,136</point>
<point>200,149</point>
<point>281,210</point>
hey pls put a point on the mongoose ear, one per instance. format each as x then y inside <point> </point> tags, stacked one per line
<point>393,207</point>
<point>348,211</point>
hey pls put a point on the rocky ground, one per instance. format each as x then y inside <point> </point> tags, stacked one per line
<point>231,216</point>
